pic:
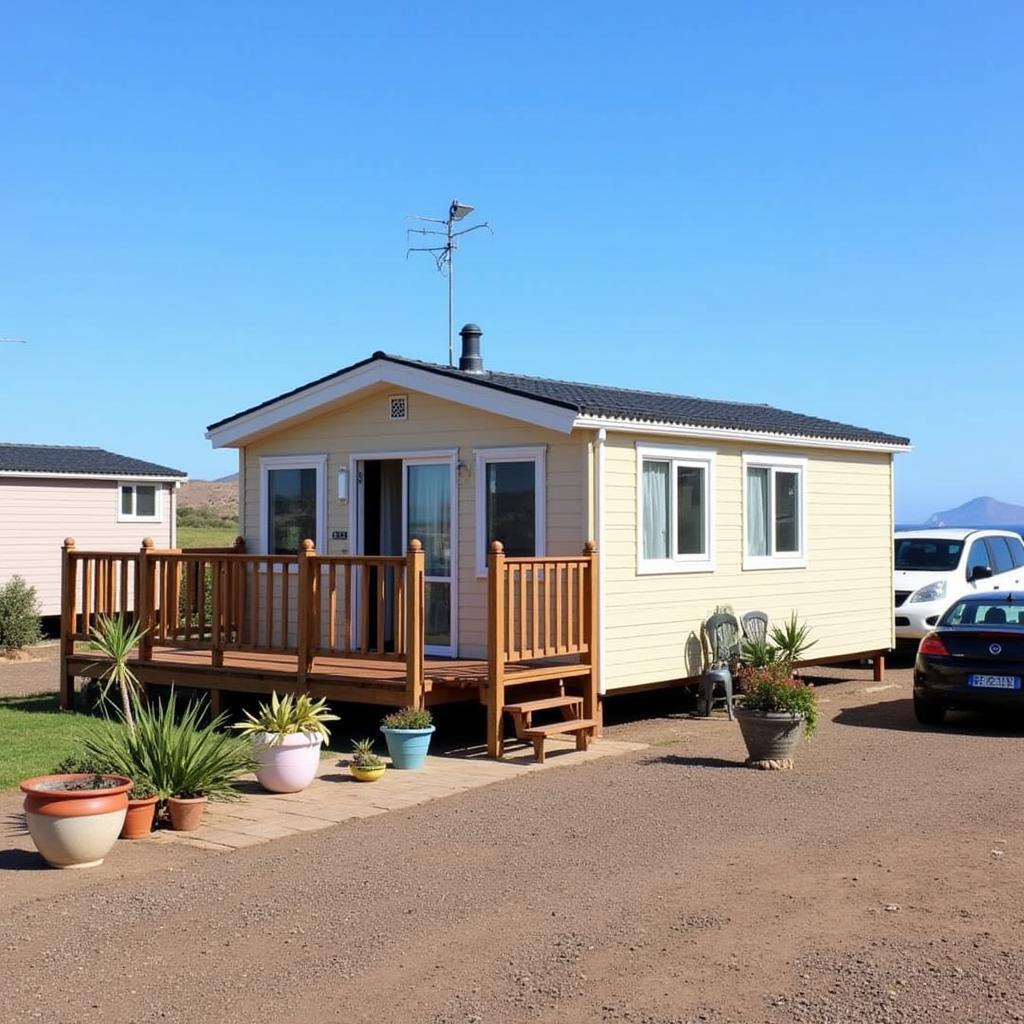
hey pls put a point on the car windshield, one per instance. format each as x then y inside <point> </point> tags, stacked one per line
<point>984,613</point>
<point>928,554</point>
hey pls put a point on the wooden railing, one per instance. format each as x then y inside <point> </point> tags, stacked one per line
<point>222,599</point>
<point>540,608</point>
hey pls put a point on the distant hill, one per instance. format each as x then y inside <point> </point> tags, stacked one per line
<point>217,496</point>
<point>231,478</point>
<point>980,512</point>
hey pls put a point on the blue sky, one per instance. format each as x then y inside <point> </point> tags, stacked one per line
<point>813,205</point>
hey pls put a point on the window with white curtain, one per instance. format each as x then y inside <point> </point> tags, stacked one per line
<point>774,502</point>
<point>674,513</point>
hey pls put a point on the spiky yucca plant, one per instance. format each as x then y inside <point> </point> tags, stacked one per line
<point>176,754</point>
<point>287,715</point>
<point>116,639</point>
<point>363,755</point>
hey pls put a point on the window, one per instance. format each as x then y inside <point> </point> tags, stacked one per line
<point>138,502</point>
<point>293,504</point>
<point>1016,551</point>
<point>674,518</point>
<point>926,554</point>
<point>1000,552</point>
<point>509,502</point>
<point>774,530</point>
<point>978,558</point>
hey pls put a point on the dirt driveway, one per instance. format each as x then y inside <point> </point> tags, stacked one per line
<point>881,881</point>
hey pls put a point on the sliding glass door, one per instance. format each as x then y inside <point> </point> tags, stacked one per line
<point>428,518</point>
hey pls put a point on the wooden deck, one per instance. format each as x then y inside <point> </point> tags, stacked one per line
<point>363,680</point>
<point>345,627</point>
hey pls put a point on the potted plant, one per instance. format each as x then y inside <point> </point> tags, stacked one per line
<point>187,763</point>
<point>365,766</point>
<point>408,733</point>
<point>776,709</point>
<point>141,816</point>
<point>74,819</point>
<point>286,738</point>
<point>142,797</point>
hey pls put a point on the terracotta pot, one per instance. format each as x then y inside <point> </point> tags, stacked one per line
<point>138,822</point>
<point>770,736</point>
<point>74,828</point>
<point>367,774</point>
<point>287,766</point>
<point>186,812</point>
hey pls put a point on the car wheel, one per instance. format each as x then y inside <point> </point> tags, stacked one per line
<point>929,712</point>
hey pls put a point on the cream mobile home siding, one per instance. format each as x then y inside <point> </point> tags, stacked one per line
<point>37,514</point>
<point>364,427</point>
<point>652,622</point>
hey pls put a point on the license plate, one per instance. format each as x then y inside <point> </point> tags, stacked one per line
<point>994,682</point>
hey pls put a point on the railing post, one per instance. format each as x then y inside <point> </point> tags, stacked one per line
<point>145,599</point>
<point>495,649</point>
<point>414,627</point>
<point>306,609</point>
<point>216,610</point>
<point>591,609</point>
<point>67,622</point>
<point>239,545</point>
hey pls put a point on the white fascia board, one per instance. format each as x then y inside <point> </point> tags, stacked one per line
<point>98,477</point>
<point>382,371</point>
<point>625,426</point>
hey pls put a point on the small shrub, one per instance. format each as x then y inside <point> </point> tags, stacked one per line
<point>19,615</point>
<point>408,718</point>
<point>772,689</point>
<point>83,764</point>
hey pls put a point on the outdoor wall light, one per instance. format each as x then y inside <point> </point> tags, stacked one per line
<point>342,485</point>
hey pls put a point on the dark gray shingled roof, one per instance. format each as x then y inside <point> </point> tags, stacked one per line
<point>623,403</point>
<point>59,459</point>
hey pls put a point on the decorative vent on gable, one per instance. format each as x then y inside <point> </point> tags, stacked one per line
<point>398,407</point>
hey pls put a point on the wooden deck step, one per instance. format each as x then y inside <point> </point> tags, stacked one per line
<point>581,727</point>
<point>529,706</point>
<point>522,712</point>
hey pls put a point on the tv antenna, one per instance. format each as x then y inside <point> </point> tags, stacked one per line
<point>444,255</point>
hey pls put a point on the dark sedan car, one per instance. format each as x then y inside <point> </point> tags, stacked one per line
<point>973,658</point>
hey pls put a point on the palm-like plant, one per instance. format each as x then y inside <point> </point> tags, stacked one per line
<point>115,638</point>
<point>791,639</point>
<point>176,755</point>
<point>287,715</point>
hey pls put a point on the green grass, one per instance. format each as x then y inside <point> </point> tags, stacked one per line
<point>37,736</point>
<point>207,536</point>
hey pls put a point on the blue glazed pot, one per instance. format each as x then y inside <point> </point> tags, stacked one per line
<point>407,747</point>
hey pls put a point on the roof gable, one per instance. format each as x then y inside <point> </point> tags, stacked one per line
<point>568,404</point>
<point>70,460</point>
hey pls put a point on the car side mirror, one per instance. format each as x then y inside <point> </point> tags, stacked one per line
<point>981,572</point>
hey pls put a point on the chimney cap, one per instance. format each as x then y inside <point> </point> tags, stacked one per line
<point>471,361</point>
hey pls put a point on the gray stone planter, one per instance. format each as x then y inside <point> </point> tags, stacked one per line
<point>770,736</point>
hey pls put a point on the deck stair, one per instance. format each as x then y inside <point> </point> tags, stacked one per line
<point>573,721</point>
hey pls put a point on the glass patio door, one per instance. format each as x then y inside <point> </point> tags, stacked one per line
<point>428,518</point>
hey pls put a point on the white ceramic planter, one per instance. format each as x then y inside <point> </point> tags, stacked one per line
<point>291,765</point>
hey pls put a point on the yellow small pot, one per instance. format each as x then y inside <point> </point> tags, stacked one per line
<point>367,774</point>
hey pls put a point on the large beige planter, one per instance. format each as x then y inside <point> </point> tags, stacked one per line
<point>74,828</point>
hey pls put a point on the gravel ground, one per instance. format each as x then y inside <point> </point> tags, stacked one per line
<point>879,881</point>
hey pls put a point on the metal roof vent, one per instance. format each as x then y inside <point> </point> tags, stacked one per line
<point>471,361</point>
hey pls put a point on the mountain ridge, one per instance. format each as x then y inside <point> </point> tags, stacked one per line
<point>981,511</point>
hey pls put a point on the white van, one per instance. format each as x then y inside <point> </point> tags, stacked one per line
<point>933,568</point>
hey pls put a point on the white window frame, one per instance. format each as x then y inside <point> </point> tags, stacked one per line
<point>676,457</point>
<point>158,502</point>
<point>536,454</point>
<point>785,464</point>
<point>317,462</point>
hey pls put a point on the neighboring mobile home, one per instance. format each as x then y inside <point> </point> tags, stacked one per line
<point>104,500</point>
<point>692,503</point>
